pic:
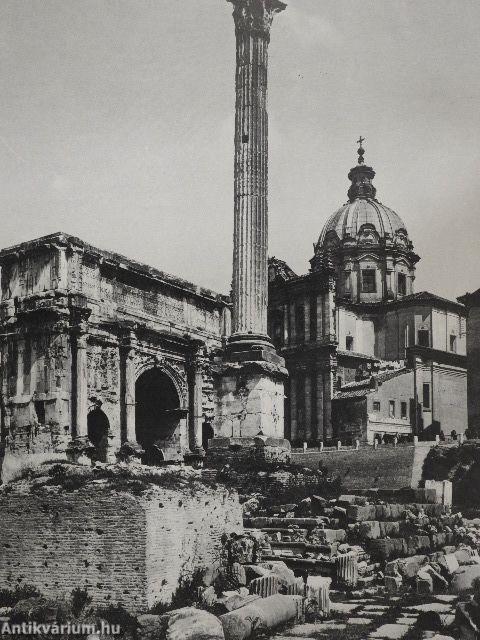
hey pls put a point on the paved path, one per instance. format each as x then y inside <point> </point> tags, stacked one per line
<point>375,618</point>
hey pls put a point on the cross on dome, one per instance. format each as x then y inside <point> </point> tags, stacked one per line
<point>361,150</point>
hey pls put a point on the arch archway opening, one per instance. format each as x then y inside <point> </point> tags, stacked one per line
<point>158,416</point>
<point>97,429</point>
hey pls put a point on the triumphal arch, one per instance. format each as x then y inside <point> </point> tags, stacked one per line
<point>101,350</point>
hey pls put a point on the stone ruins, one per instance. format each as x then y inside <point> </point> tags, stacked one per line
<point>288,462</point>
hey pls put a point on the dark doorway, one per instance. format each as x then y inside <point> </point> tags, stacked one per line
<point>157,414</point>
<point>207,434</point>
<point>98,425</point>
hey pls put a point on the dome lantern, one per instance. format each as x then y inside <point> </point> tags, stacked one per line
<point>361,177</point>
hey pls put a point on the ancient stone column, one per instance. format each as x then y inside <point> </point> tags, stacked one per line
<point>249,383</point>
<point>253,19</point>
<point>81,389</point>
<point>197,404</point>
<point>129,345</point>
<point>347,570</point>
<point>80,447</point>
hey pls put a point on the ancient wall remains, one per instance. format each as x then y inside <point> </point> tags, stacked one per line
<point>120,547</point>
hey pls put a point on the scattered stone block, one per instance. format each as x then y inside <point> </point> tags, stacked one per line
<point>192,624</point>
<point>318,593</point>
<point>297,588</point>
<point>393,584</point>
<point>285,575</point>
<point>332,535</point>
<point>263,614</point>
<point>369,530</point>
<point>238,572</point>
<point>264,586</point>
<point>346,566</point>
<point>424,582</point>
<point>463,578</point>
<point>450,562</point>
<point>463,556</point>
<point>234,601</point>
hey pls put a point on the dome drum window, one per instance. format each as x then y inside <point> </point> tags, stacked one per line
<point>369,281</point>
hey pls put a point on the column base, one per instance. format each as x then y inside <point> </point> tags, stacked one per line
<point>80,450</point>
<point>130,451</point>
<point>250,347</point>
<point>249,384</point>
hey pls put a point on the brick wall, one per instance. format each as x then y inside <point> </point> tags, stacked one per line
<point>384,468</point>
<point>120,547</point>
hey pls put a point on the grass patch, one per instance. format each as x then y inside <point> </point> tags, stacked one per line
<point>10,597</point>
<point>136,480</point>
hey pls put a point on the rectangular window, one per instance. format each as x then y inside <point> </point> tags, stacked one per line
<point>402,284</point>
<point>426,395</point>
<point>376,406</point>
<point>423,338</point>
<point>369,281</point>
<point>403,409</point>
<point>349,343</point>
<point>391,410</point>
<point>453,344</point>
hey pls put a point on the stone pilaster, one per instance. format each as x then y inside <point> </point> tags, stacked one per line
<point>197,404</point>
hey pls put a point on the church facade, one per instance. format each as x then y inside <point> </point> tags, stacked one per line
<point>367,356</point>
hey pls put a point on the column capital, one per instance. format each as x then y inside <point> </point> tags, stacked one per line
<point>255,15</point>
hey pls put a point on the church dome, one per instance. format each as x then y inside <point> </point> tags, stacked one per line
<point>351,217</point>
<point>364,246</point>
<point>363,219</point>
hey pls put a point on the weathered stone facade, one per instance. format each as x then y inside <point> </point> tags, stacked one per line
<point>95,345</point>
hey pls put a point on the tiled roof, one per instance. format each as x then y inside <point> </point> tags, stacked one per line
<point>361,388</point>
<point>427,296</point>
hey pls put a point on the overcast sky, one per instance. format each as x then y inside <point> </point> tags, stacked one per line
<point>117,126</point>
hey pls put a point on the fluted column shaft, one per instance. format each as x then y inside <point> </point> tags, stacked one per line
<point>251,186</point>
<point>253,19</point>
